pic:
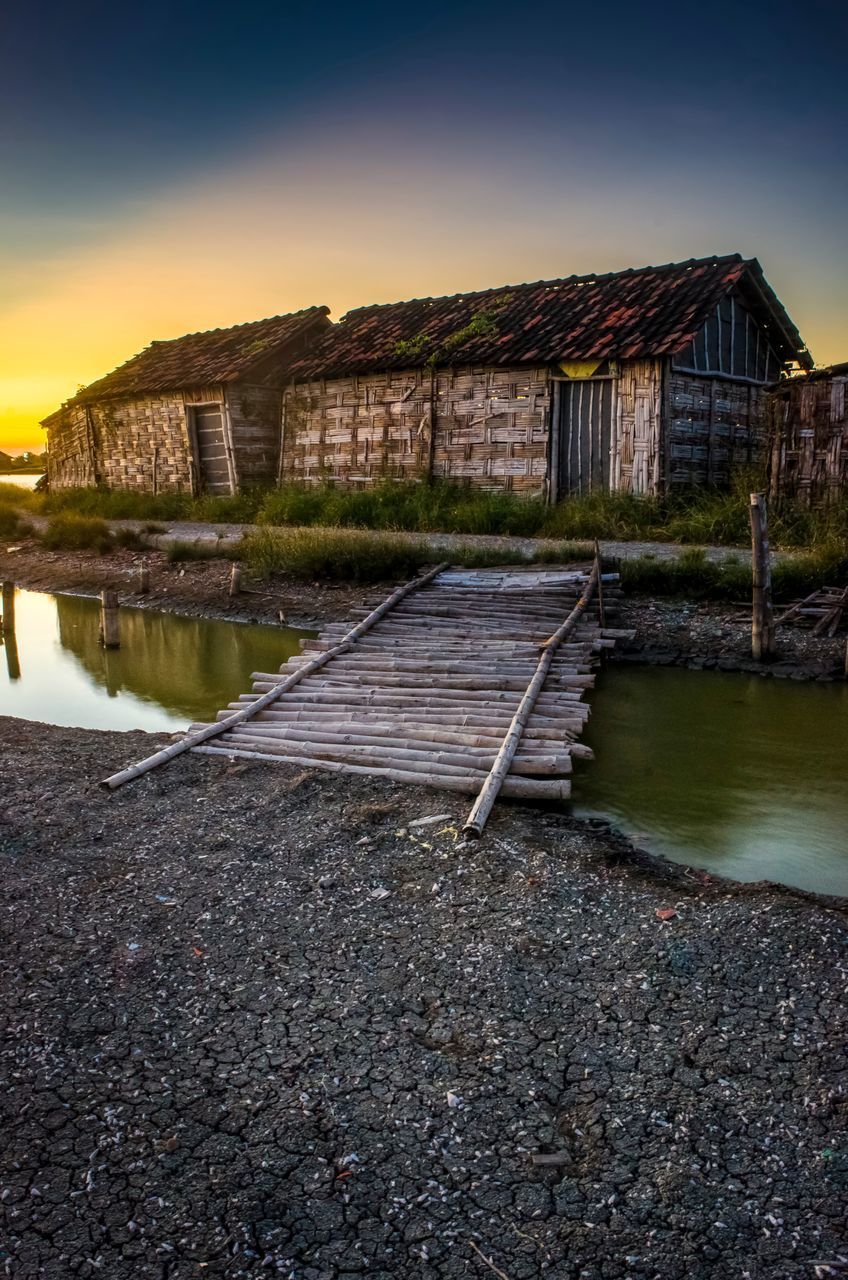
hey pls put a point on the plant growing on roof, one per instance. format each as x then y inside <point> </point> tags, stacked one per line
<point>482,325</point>
<point>412,348</point>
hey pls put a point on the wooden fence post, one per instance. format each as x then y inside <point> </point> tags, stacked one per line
<point>762,618</point>
<point>110,627</point>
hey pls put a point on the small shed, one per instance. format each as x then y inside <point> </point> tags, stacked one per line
<point>809,460</point>
<point>642,380</point>
<point>193,414</point>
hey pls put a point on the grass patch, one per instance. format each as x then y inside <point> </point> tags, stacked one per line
<point>12,524</point>
<point>12,495</point>
<point>413,508</point>
<point>355,555</point>
<point>77,533</point>
<point>694,576</point>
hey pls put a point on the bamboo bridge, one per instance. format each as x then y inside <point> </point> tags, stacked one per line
<point>467,680</point>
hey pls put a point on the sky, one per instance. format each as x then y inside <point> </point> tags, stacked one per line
<point>181,166</point>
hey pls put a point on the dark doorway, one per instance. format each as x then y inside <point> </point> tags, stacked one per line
<point>585,433</point>
<point>212,461</point>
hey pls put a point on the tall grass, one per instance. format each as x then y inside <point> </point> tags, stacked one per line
<point>12,523</point>
<point>694,576</point>
<point>416,508</point>
<point>71,532</point>
<point>354,555</point>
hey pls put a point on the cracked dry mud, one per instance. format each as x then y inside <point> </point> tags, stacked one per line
<point>255,1024</point>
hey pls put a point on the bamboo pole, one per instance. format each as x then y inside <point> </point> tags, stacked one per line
<point>494,784</point>
<point>601,610</point>
<point>239,717</point>
<point>400,739</point>
<point>762,617</point>
<point>333,730</point>
<point>517,788</point>
<point>443,759</point>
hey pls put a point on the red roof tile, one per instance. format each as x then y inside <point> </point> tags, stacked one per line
<point>207,359</point>
<point>653,311</point>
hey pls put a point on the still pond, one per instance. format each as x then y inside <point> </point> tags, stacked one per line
<point>739,775</point>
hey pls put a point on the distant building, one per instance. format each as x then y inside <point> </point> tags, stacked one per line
<point>809,459</point>
<point>198,413</point>
<point>642,380</point>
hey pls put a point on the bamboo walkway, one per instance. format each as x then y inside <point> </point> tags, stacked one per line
<point>468,680</point>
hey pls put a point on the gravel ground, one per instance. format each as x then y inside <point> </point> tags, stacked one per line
<point>707,635</point>
<point>256,1023</point>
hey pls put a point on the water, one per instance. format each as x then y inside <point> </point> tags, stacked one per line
<point>743,776</point>
<point>23,482</point>
<point>168,671</point>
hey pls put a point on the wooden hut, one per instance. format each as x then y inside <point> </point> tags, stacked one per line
<point>641,380</point>
<point>809,460</point>
<point>198,413</point>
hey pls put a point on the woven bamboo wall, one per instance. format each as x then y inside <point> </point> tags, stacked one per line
<point>70,450</point>
<point>144,444</point>
<point>714,427</point>
<point>118,444</point>
<point>491,428</point>
<point>637,419</point>
<point>810,443</point>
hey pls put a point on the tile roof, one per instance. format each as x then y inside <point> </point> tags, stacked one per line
<point>205,359</point>
<point>651,311</point>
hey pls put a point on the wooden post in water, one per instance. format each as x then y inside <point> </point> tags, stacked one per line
<point>762,619</point>
<point>235,579</point>
<point>143,578</point>
<point>7,630</point>
<point>110,627</point>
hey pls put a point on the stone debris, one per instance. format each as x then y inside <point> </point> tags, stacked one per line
<point>263,1087</point>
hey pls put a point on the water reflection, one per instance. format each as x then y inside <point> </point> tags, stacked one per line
<point>737,774</point>
<point>168,671</point>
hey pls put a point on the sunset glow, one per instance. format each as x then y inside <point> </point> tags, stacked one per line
<point>383,193</point>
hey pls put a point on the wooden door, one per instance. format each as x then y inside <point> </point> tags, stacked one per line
<point>213,462</point>
<point>585,434</point>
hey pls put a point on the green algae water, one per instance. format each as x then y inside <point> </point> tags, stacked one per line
<point>743,776</point>
<point>168,671</point>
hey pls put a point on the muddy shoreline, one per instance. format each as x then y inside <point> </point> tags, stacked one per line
<point>701,635</point>
<point>258,1022</point>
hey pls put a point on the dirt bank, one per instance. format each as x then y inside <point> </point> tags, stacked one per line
<point>667,631</point>
<point>259,1024</point>
<point>196,588</point>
